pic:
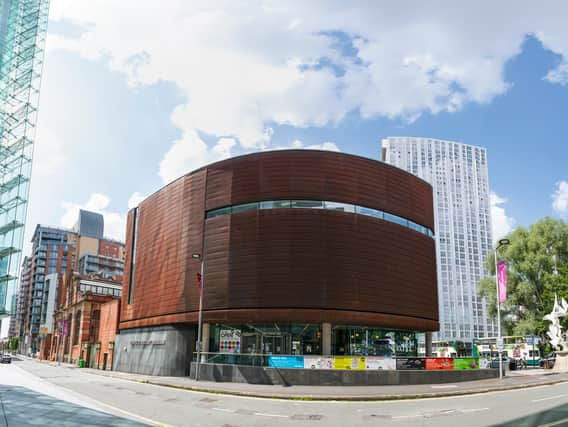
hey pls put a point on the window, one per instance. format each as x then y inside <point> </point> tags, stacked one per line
<point>370,212</point>
<point>244,208</point>
<point>317,204</point>
<point>95,320</point>
<point>309,204</point>
<point>217,212</point>
<point>343,207</point>
<point>396,219</point>
<point>275,204</point>
<point>133,257</point>
<point>76,331</point>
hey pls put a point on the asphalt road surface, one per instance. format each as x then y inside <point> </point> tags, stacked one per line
<point>127,402</point>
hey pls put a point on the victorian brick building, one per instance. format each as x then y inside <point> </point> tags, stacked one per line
<point>86,320</point>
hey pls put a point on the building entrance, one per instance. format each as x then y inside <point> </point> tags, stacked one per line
<point>259,343</point>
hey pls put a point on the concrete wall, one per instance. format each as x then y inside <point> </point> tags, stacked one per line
<point>273,376</point>
<point>163,350</point>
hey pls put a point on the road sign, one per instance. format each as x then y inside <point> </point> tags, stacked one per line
<point>500,344</point>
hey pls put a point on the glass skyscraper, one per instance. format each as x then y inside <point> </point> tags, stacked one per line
<point>23,27</point>
<point>459,176</point>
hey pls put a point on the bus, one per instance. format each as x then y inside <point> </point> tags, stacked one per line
<point>514,347</point>
<point>452,349</point>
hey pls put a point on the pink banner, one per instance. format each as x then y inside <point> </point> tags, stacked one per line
<point>502,280</point>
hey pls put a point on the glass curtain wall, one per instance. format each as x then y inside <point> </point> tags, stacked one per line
<point>268,339</point>
<point>23,27</point>
<point>306,339</point>
<point>368,341</point>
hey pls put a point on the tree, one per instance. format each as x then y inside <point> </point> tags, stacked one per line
<point>14,343</point>
<point>537,269</point>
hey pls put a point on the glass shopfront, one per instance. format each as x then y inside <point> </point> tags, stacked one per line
<point>275,338</point>
<point>306,339</point>
<point>368,341</point>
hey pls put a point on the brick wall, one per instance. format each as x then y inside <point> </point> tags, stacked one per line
<point>107,332</point>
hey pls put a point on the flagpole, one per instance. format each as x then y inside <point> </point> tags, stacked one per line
<point>200,283</point>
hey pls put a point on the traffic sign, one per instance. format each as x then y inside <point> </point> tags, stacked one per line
<point>500,344</point>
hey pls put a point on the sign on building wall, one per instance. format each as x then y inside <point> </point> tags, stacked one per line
<point>230,341</point>
<point>466,363</point>
<point>318,362</point>
<point>379,363</point>
<point>410,363</point>
<point>286,362</point>
<point>63,327</point>
<point>349,362</point>
<point>439,363</point>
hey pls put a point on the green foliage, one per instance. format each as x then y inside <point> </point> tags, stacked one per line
<point>537,269</point>
<point>14,343</point>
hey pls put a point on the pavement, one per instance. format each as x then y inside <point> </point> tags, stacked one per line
<point>25,400</point>
<point>532,377</point>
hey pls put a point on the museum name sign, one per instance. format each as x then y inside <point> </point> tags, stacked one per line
<point>149,342</point>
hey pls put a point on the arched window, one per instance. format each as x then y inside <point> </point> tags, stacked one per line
<point>77,328</point>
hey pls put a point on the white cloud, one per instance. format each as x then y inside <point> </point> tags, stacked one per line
<point>297,144</point>
<point>191,152</point>
<point>115,223</point>
<point>560,198</point>
<point>501,223</point>
<point>244,67</point>
<point>135,199</point>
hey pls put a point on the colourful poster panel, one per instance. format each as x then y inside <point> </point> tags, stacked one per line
<point>349,362</point>
<point>230,341</point>
<point>289,362</point>
<point>318,362</point>
<point>439,363</point>
<point>410,363</point>
<point>466,363</point>
<point>380,363</point>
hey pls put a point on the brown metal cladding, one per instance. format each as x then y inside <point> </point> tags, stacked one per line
<point>295,265</point>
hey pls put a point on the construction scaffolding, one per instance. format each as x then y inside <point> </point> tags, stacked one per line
<point>23,28</point>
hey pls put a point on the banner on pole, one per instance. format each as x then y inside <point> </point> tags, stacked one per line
<point>502,280</point>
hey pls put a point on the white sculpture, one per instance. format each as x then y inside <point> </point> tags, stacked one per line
<point>557,338</point>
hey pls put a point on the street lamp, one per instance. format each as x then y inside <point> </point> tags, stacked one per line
<point>199,257</point>
<point>502,242</point>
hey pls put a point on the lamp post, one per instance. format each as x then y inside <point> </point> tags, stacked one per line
<point>200,316</point>
<point>502,242</point>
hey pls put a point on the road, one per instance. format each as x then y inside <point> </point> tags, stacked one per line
<point>28,400</point>
<point>156,405</point>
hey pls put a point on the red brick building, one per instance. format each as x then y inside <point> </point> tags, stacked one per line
<point>86,320</point>
<point>107,332</point>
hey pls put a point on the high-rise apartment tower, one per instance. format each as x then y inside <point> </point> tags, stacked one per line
<point>23,26</point>
<point>458,174</point>
<point>55,253</point>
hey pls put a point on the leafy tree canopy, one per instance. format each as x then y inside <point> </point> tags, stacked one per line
<point>537,269</point>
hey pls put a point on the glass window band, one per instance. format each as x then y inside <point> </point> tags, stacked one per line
<point>317,204</point>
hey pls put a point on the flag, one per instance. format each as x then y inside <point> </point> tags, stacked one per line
<point>199,281</point>
<point>502,280</point>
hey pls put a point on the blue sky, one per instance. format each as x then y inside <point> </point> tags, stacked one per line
<point>134,98</point>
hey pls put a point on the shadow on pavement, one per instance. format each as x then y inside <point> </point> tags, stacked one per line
<point>557,417</point>
<point>20,406</point>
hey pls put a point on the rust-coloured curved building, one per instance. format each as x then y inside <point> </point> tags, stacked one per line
<point>305,252</point>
